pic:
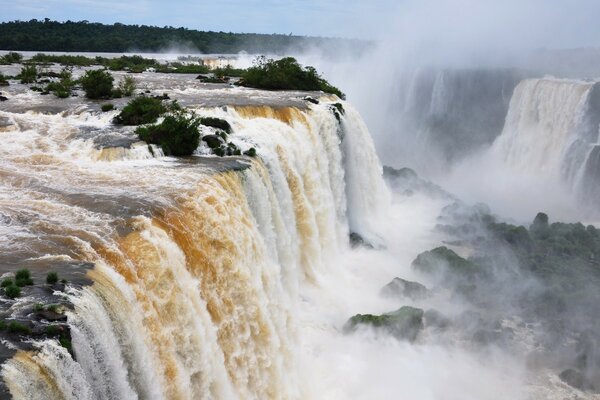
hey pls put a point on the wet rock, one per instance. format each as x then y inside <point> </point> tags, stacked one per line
<point>357,240</point>
<point>51,316</point>
<point>403,324</point>
<point>576,379</point>
<point>445,263</point>
<point>213,141</point>
<point>3,98</point>
<point>399,287</point>
<point>311,100</point>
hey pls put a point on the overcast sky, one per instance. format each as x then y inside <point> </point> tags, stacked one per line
<point>550,23</point>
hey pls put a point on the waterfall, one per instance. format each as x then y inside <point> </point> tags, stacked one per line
<point>551,129</point>
<point>198,271</point>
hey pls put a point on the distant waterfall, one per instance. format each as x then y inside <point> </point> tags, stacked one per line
<point>198,299</point>
<point>552,128</point>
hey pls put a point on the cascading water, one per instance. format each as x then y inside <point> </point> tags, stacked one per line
<point>198,268</point>
<point>552,129</point>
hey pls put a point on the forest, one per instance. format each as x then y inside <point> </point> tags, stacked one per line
<point>69,36</point>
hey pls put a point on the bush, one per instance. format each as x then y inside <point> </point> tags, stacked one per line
<point>127,86</point>
<point>141,110</point>
<point>6,282</point>
<point>3,81</point>
<point>107,107</point>
<point>97,84</point>
<point>12,291</point>
<point>52,330</point>
<point>23,274</point>
<point>24,282</point>
<point>51,278</point>
<point>177,135</point>
<point>17,327</point>
<point>28,74</point>
<point>62,89</point>
<point>38,307</point>
<point>286,74</point>
<point>11,58</point>
<point>216,123</point>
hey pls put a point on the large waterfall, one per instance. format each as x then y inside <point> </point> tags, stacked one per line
<point>196,269</point>
<point>552,129</point>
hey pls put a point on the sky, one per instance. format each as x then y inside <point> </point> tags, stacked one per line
<point>541,23</point>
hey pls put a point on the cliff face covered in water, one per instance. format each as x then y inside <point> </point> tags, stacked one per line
<point>183,275</point>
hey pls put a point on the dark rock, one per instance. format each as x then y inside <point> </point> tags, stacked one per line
<point>250,152</point>
<point>576,379</point>
<point>399,287</point>
<point>311,100</point>
<point>403,324</point>
<point>2,98</point>
<point>213,141</point>
<point>51,316</point>
<point>357,240</point>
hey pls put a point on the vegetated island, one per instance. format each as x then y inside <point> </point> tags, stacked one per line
<point>84,36</point>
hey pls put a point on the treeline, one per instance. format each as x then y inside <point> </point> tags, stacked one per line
<point>69,36</point>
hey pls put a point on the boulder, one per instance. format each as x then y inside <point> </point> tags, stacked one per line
<point>404,323</point>
<point>399,287</point>
<point>446,263</point>
<point>576,379</point>
<point>357,240</point>
<point>2,98</point>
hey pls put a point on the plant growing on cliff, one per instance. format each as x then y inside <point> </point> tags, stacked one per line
<point>97,84</point>
<point>177,134</point>
<point>286,74</point>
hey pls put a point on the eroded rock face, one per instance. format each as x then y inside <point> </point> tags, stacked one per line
<point>404,323</point>
<point>399,287</point>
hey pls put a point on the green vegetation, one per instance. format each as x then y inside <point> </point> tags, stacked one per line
<point>63,88</point>
<point>444,261</point>
<point>216,123</point>
<point>286,74</point>
<point>135,64</point>
<point>404,323</point>
<point>127,86</point>
<point>66,343</point>
<point>38,307</point>
<point>177,135</point>
<point>28,74</point>
<point>12,291</point>
<point>251,152</point>
<point>17,327</point>
<point>11,58</point>
<point>141,110</point>
<point>3,80</point>
<point>47,35</point>
<point>6,282</point>
<point>52,278</point>
<point>107,107</point>
<point>52,330</point>
<point>97,84</point>
<point>179,68</point>
<point>23,278</point>
<point>64,59</point>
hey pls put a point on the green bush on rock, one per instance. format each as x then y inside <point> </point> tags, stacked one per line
<point>286,74</point>
<point>28,74</point>
<point>12,291</point>
<point>141,110</point>
<point>52,278</point>
<point>404,324</point>
<point>97,84</point>
<point>177,134</point>
<point>442,261</point>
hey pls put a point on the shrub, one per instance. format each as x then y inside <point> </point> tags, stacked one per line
<point>216,123</point>
<point>66,343</point>
<point>127,86</point>
<point>3,80</point>
<point>12,291</point>
<point>177,135</point>
<point>11,58</point>
<point>6,282</point>
<point>286,74</point>
<point>23,274</point>
<point>28,74</point>
<point>51,278</point>
<point>24,282</point>
<point>17,327</point>
<point>97,84</point>
<point>251,152</point>
<point>107,107</point>
<point>62,89</point>
<point>52,330</point>
<point>38,307</point>
<point>141,110</point>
